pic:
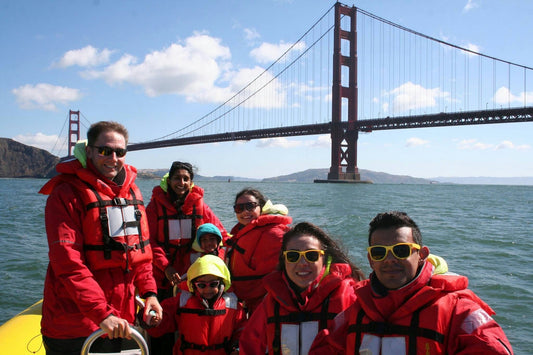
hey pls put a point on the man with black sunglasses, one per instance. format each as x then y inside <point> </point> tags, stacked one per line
<point>405,308</point>
<point>98,246</point>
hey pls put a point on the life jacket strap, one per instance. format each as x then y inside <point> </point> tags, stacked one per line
<point>202,312</point>
<point>413,331</point>
<point>202,347</point>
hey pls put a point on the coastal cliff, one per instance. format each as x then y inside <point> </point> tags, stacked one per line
<point>18,160</point>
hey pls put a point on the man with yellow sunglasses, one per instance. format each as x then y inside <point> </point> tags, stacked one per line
<point>405,308</point>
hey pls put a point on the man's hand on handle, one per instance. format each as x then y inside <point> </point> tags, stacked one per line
<point>116,327</point>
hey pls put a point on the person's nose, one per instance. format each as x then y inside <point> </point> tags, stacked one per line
<point>302,260</point>
<point>390,257</point>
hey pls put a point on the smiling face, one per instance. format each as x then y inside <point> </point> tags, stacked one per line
<point>303,272</point>
<point>246,216</point>
<point>109,166</point>
<point>207,292</point>
<point>209,242</point>
<point>180,182</point>
<point>394,273</point>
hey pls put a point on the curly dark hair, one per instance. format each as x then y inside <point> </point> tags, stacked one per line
<point>395,219</point>
<point>329,245</point>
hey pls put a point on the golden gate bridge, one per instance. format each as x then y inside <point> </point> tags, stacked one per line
<point>353,72</point>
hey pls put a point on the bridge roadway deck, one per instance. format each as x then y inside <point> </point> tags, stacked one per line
<point>510,115</point>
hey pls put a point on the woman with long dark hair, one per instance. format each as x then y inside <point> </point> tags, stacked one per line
<point>315,281</point>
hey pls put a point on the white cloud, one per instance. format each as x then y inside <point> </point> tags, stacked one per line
<point>322,141</point>
<point>504,97</point>
<point>473,144</point>
<point>278,143</point>
<point>190,68</point>
<point>44,96</point>
<point>471,4</point>
<point>85,57</point>
<point>250,34</point>
<point>472,47</point>
<point>50,143</point>
<point>410,96</point>
<point>269,52</point>
<point>198,68</point>
<point>415,142</point>
<point>273,97</point>
<point>511,145</point>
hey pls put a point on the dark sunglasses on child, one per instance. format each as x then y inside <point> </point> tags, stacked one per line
<point>212,284</point>
<point>248,206</point>
<point>107,151</point>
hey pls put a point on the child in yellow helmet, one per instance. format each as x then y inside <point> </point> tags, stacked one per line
<point>206,316</point>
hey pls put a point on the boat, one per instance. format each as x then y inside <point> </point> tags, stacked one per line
<point>21,335</point>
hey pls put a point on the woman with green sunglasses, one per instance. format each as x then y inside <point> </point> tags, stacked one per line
<point>314,282</point>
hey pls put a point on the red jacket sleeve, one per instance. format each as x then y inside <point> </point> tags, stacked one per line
<point>63,213</point>
<point>332,342</point>
<point>169,323</point>
<point>159,257</point>
<point>266,254</point>
<point>254,338</point>
<point>474,331</point>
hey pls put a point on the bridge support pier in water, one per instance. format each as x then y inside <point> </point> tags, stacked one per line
<point>344,140</point>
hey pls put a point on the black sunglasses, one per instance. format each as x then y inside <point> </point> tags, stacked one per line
<point>107,151</point>
<point>202,285</point>
<point>248,206</point>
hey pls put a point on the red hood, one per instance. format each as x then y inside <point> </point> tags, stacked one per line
<point>71,168</point>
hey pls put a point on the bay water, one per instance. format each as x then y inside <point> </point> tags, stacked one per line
<point>483,232</point>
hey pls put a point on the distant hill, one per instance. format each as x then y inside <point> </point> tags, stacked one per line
<point>376,177</point>
<point>307,176</point>
<point>18,160</point>
<point>485,180</point>
<point>159,173</point>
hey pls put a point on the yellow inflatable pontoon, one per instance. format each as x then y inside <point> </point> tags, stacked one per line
<point>21,335</point>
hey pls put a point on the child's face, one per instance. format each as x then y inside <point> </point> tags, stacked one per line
<point>203,285</point>
<point>209,242</point>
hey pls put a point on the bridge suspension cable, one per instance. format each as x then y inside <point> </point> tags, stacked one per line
<point>256,86</point>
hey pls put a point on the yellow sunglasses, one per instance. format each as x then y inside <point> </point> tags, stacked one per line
<point>293,256</point>
<point>400,251</point>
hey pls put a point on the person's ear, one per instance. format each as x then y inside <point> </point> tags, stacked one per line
<point>424,252</point>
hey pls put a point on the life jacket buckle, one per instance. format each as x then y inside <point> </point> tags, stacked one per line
<point>119,201</point>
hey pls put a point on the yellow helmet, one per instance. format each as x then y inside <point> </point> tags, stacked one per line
<point>208,265</point>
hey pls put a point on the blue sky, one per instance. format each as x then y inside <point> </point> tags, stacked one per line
<point>101,57</point>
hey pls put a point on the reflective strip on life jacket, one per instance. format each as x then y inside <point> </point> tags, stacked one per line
<point>379,337</point>
<point>295,332</point>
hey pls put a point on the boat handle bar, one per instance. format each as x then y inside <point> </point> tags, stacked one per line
<point>98,333</point>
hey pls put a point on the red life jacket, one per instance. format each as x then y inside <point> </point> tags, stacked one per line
<point>292,328</point>
<point>203,330</point>
<point>117,235</point>
<point>420,325</point>
<point>253,253</point>
<point>176,229</point>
